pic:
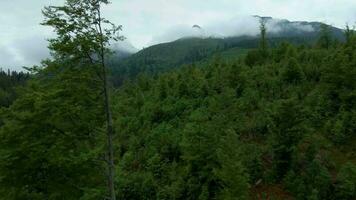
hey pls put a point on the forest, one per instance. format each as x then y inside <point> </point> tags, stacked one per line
<point>8,82</point>
<point>271,122</point>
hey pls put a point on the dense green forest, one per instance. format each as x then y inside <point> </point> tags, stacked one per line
<point>273,122</point>
<point>8,82</point>
<point>278,123</point>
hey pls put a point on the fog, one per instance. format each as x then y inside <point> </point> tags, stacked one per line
<point>237,26</point>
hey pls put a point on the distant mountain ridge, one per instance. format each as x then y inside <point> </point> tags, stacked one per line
<point>299,28</point>
<point>166,56</point>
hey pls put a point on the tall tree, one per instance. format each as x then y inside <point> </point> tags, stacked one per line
<point>263,39</point>
<point>348,34</point>
<point>84,35</point>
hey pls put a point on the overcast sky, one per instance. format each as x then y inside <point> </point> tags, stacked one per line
<point>146,22</point>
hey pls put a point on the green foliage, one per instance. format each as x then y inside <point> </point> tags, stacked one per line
<point>160,58</point>
<point>210,132</point>
<point>232,173</point>
<point>51,138</point>
<point>8,83</point>
<point>292,72</point>
<point>313,183</point>
<point>286,130</point>
<point>76,24</point>
<point>325,38</point>
<point>253,57</point>
<point>346,182</point>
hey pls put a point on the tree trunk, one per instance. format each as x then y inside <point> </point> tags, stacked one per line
<point>109,120</point>
<point>110,132</point>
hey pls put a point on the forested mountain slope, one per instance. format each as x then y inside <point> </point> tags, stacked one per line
<point>280,129</point>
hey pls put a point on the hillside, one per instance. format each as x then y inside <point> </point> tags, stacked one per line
<point>283,128</point>
<point>163,57</point>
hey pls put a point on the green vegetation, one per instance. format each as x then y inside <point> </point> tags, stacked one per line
<point>164,57</point>
<point>211,132</point>
<point>275,122</point>
<point>8,82</point>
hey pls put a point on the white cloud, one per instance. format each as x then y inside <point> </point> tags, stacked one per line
<point>6,58</point>
<point>149,21</point>
<point>23,52</point>
<point>31,49</point>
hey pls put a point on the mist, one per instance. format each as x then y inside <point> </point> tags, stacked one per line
<point>237,26</point>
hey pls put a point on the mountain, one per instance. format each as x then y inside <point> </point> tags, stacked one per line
<point>166,56</point>
<point>286,28</point>
<point>123,49</point>
<point>190,49</point>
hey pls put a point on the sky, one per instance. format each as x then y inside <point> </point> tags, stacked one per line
<point>148,22</point>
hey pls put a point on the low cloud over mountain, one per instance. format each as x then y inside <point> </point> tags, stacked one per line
<point>238,26</point>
